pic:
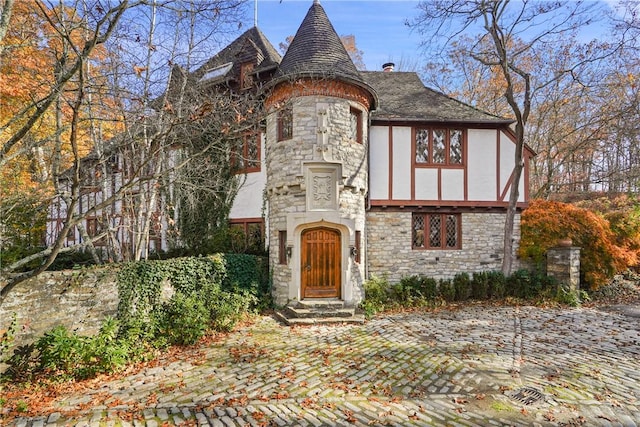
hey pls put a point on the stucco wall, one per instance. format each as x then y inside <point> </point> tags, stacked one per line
<point>389,250</point>
<point>485,175</point>
<point>248,203</point>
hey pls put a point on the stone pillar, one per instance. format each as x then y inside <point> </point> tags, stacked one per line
<point>563,264</point>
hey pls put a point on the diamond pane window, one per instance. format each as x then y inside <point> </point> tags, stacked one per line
<point>418,231</point>
<point>422,146</point>
<point>442,231</point>
<point>285,123</point>
<point>451,231</point>
<point>439,146</point>
<point>435,231</point>
<point>455,147</point>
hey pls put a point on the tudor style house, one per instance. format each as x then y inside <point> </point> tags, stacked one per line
<point>372,173</point>
<point>364,173</point>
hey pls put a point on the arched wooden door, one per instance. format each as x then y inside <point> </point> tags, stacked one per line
<point>321,263</point>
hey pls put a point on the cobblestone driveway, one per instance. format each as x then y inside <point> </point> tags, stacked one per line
<point>474,366</point>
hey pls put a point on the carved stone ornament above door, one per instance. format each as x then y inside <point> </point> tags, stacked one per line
<point>322,187</point>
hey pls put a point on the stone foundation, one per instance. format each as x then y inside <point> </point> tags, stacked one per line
<point>390,252</point>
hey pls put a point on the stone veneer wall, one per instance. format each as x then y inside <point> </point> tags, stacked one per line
<point>286,182</point>
<point>389,246</point>
<point>77,299</point>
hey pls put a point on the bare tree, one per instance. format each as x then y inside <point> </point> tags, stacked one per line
<point>507,34</point>
<point>126,124</point>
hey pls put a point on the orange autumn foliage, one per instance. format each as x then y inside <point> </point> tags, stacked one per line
<point>545,222</point>
<point>33,50</point>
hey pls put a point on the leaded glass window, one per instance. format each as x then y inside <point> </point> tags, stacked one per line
<point>439,146</point>
<point>436,231</point>
<point>455,147</point>
<point>418,231</point>
<point>422,146</point>
<point>285,123</point>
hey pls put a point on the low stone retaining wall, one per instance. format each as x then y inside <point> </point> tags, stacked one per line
<point>77,299</point>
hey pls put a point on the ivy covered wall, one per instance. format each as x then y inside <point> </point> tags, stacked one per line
<point>82,299</point>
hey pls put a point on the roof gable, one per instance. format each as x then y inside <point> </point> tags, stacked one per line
<point>251,46</point>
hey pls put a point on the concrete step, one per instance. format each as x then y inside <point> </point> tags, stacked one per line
<point>356,319</point>
<point>318,311</point>
<point>306,313</point>
<point>329,304</point>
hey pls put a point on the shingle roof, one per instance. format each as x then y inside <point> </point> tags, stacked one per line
<point>251,42</point>
<point>317,50</point>
<point>403,97</point>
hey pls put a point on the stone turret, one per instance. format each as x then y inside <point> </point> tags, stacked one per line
<point>317,167</point>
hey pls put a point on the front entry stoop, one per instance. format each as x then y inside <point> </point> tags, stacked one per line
<point>318,311</point>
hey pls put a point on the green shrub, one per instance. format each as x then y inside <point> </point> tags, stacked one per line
<point>229,309</point>
<point>429,288</point>
<point>376,292</point>
<point>60,350</point>
<point>497,285</point>
<point>446,290</point>
<point>104,352</point>
<point>571,297</point>
<point>417,290</point>
<point>250,273</point>
<point>526,284</point>
<point>140,285</point>
<point>401,293</point>
<point>183,320</point>
<point>413,291</point>
<point>462,286</point>
<point>74,356</point>
<point>480,284</point>
<point>519,284</point>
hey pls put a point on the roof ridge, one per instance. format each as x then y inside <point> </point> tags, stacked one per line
<point>253,35</point>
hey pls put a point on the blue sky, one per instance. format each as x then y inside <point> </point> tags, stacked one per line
<point>378,26</point>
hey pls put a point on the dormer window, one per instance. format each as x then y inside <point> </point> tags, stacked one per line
<point>216,72</point>
<point>356,125</point>
<point>246,75</point>
<point>285,123</point>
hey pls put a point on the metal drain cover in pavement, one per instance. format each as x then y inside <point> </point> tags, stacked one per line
<point>527,395</point>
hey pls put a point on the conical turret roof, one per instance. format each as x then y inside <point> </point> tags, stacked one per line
<point>317,50</point>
